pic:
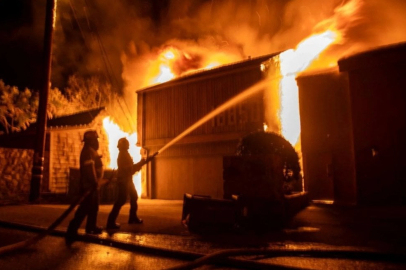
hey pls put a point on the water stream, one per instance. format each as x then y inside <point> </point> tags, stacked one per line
<point>234,100</point>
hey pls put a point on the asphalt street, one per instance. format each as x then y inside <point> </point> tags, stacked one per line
<point>375,230</point>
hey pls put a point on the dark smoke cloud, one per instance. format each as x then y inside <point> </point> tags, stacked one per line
<point>110,31</point>
<point>96,36</point>
<point>258,27</point>
<point>239,28</point>
<point>20,42</point>
<point>117,39</point>
<point>383,23</point>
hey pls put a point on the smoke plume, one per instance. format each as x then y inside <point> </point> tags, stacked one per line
<point>123,38</point>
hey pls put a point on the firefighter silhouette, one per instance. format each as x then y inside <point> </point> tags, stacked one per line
<point>91,174</point>
<point>126,169</point>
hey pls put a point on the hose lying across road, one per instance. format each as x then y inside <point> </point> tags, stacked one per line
<point>33,240</point>
<point>223,257</point>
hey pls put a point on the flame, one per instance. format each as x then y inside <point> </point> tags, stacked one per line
<point>173,62</point>
<point>165,74</point>
<point>294,61</point>
<point>291,62</point>
<point>114,133</point>
<point>265,127</point>
<point>212,65</point>
<point>162,66</point>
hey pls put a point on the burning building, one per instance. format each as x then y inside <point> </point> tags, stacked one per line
<point>345,131</point>
<point>352,124</point>
<point>194,164</point>
<point>353,128</point>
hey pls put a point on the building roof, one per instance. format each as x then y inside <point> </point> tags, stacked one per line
<point>392,54</point>
<point>25,139</point>
<point>217,71</point>
<point>78,119</point>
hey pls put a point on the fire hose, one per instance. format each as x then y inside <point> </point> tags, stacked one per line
<point>35,239</point>
<point>226,257</point>
<point>223,257</point>
<point>78,200</point>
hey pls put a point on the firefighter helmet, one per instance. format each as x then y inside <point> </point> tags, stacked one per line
<point>90,134</point>
<point>123,143</point>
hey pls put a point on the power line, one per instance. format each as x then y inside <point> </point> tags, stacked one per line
<point>107,64</point>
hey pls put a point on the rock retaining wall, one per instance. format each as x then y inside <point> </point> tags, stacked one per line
<point>15,174</point>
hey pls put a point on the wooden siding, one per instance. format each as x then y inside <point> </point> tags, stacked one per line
<point>167,112</point>
<point>194,164</point>
<point>326,134</point>
<point>190,168</point>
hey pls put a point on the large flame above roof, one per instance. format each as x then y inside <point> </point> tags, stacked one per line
<point>172,62</point>
<point>291,62</point>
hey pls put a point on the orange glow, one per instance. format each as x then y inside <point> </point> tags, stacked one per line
<point>212,65</point>
<point>265,127</point>
<point>161,70</point>
<point>304,57</point>
<point>172,62</point>
<point>114,133</point>
<point>169,54</point>
<point>295,61</point>
<point>165,74</point>
<point>291,62</point>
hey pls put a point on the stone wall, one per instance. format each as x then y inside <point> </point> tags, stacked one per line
<point>66,145</point>
<point>62,152</point>
<point>15,174</point>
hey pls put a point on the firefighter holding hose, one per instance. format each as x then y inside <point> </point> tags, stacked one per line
<point>126,169</point>
<point>91,177</point>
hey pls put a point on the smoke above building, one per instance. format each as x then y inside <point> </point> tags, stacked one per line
<point>122,40</point>
<point>129,34</point>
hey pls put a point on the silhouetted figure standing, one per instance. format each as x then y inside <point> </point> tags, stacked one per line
<point>126,169</point>
<point>91,173</point>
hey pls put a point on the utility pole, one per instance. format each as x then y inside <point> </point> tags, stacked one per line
<point>38,159</point>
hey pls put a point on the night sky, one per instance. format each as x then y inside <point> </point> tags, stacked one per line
<point>21,39</point>
<point>91,37</point>
<point>19,53</point>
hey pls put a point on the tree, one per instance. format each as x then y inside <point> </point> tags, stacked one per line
<point>88,93</point>
<point>18,109</point>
